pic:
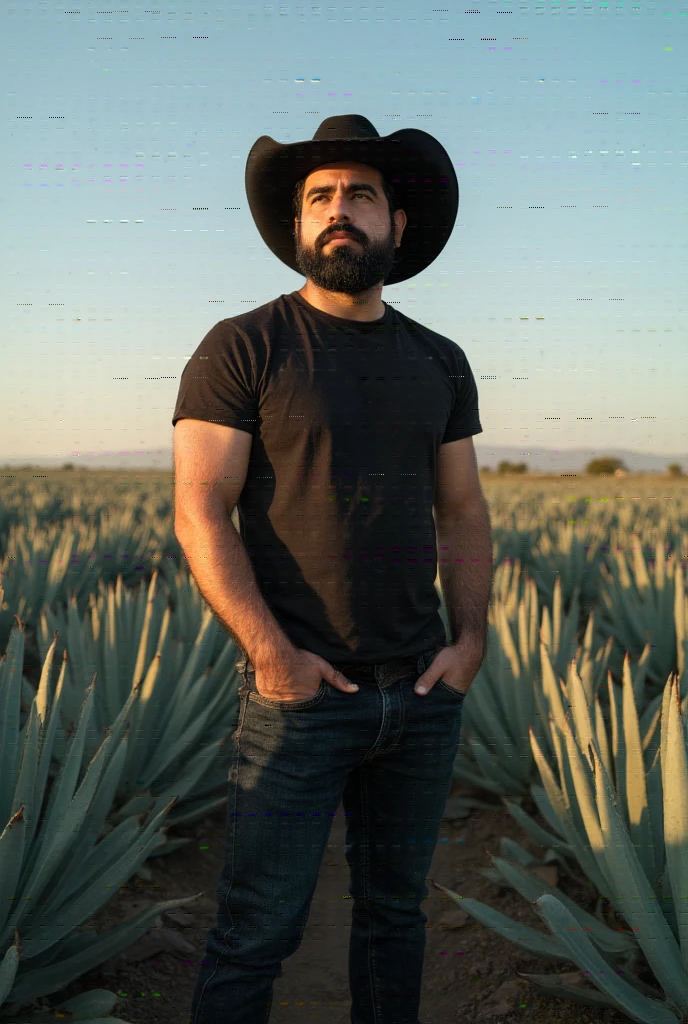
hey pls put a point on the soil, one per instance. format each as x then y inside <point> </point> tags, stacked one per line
<point>470,972</point>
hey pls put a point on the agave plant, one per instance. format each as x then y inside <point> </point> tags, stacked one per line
<point>505,701</point>
<point>44,563</point>
<point>570,552</point>
<point>189,607</point>
<point>621,809</point>
<point>54,875</point>
<point>182,722</point>
<point>639,604</point>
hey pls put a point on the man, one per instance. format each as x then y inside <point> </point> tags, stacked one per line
<point>342,431</point>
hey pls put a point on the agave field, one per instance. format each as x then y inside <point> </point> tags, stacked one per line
<point>118,697</point>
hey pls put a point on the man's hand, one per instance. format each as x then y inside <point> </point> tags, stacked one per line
<point>456,665</point>
<point>296,676</point>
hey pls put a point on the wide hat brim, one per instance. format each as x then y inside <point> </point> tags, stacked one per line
<point>414,162</point>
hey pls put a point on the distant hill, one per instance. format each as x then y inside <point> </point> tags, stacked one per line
<point>574,460</point>
<point>538,460</point>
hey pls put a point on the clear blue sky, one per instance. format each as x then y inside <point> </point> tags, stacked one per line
<point>128,232</point>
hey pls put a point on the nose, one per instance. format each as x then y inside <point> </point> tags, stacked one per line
<point>339,209</point>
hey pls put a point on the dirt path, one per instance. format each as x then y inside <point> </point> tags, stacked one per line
<point>470,972</point>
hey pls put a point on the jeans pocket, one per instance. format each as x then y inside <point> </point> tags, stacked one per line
<point>282,705</point>
<point>429,658</point>
<point>450,689</point>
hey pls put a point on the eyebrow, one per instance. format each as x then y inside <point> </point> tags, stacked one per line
<point>358,186</point>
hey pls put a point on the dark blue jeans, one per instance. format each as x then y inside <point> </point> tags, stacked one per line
<point>387,754</point>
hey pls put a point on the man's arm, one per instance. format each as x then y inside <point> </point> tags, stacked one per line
<point>464,540</point>
<point>464,550</point>
<point>211,464</point>
<point>224,574</point>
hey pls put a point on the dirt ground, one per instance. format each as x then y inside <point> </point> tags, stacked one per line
<point>470,971</point>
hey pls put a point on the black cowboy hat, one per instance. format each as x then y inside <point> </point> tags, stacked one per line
<point>416,165</point>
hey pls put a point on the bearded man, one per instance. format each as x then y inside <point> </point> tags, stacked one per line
<point>341,431</point>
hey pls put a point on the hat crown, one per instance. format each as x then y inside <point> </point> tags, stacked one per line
<point>346,126</point>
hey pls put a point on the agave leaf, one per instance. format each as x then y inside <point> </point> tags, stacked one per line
<point>495,776</point>
<point>492,875</point>
<point>655,802</point>
<point>100,859</point>
<point>544,806</point>
<point>192,811</point>
<point>122,721</point>
<point>92,829</point>
<point>584,728</point>
<point>25,789</point>
<point>67,832</point>
<point>520,934</point>
<point>54,837</point>
<point>95,896</point>
<point>47,735</point>
<point>550,689</point>
<point>73,874</point>
<point>146,723</point>
<point>51,1018</point>
<point>600,732</point>
<point>472,777</point>
<point>577,776</point>
<point>511,850</point>
<point>582,854</point>
<point>11,853</point>
<point>676,813</point>
<point>72,944</point>
<point>8,971</point>
<point>35,983</point>
<point>195,767</point>
<point>42,694</point>
<point>146,638</point>
<point>175,744</point>
<point>487,707</point>
<point>632,786</point>
<point>538,834</point>
<point>507,641</point>
<point>642,912</point>
<point>204,688</point>
<point>55,1014</point>
<point>581,950</point>
<point>531,887</point>
<point>98,1001</point>
<point>138,804</point>
<point>168,847</point>
<point>553,986</point>
<point>10,676</point>
<point>214,784</point>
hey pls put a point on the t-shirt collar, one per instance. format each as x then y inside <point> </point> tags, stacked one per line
<point>345,322</point>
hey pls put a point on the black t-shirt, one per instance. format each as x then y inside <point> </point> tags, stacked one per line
<point>336,512</point>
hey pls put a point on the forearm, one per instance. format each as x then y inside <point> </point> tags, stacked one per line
<point>464,549</point>
<point>224,575</point>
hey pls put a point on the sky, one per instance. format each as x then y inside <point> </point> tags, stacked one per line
<point>128,233</point>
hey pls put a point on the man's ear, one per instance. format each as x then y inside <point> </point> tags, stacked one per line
<point>400,224</point>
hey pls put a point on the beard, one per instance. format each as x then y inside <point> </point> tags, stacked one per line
<point>347,268</point>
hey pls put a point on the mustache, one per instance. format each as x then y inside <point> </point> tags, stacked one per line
<point>348,234</point>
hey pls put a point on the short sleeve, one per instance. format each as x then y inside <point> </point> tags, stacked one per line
<point>464,420</point>
<point>218,384</point>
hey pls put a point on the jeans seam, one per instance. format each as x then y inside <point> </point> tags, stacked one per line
<point>208,980</point>
<point>372,966</point>
<point>234,774</point>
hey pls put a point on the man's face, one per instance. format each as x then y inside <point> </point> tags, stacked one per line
<point>366,258</point>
